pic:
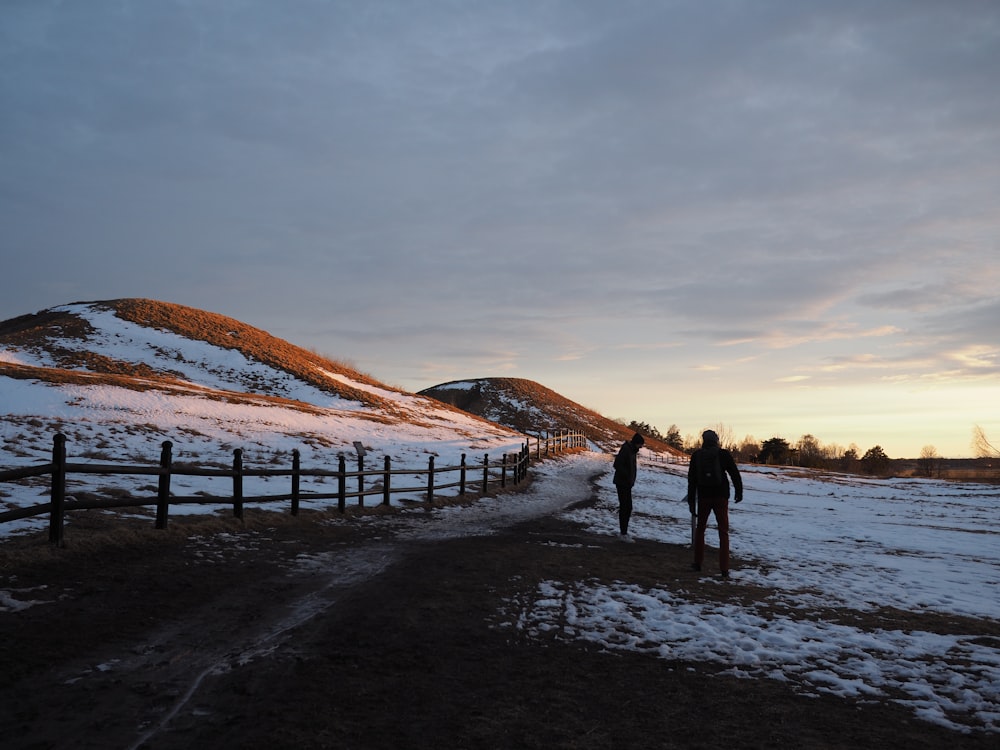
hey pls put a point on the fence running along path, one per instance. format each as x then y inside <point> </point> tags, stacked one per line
<point>511,467</point>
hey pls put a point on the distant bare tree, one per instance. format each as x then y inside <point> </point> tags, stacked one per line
<point>981,447</point>
<point>832,452</point>
<point>810,451</point>
<point>691,443</point>
<point>725,433</point>
<point>748,450</point>
<point>928,461</point>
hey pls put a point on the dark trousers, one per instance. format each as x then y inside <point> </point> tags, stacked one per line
<point>707,506</point>
<point>624,506</point>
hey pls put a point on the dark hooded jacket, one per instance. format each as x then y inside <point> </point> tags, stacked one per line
<point>710,448</point>
<point>626,463</point>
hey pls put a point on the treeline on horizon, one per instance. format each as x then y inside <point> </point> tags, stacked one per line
<point>809,452</point>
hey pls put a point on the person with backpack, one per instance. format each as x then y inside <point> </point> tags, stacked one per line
<point>625,472</point>
<point>708,492</point>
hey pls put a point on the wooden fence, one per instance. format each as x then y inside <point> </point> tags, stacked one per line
<point>511,467</point>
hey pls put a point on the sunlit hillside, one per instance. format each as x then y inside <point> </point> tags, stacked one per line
<point>527,406</point>
<point>118,378</point>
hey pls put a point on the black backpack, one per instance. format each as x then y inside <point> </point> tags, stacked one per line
<point>619,462</point>
<point>710,477</point>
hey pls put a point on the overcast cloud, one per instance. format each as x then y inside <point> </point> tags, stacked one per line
<point>643,205</point>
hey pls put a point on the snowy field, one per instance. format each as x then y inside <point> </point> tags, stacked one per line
<point>826,548</point>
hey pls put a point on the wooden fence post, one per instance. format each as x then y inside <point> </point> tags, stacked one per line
<point>58,489</point>
<point>461,478</point>
<point>342,484</point>
<point>503,471</point>
<point>486,472</point>
<point>296,479</point>
<point>386,491</point>
<point>238,483</point>
<point>163,486</point>
<point>430,480</point>
<point>361,480</point>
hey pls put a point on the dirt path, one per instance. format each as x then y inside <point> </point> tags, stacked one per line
<point>363,634</point>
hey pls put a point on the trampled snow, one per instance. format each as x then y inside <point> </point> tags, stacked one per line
<point>827,547</point>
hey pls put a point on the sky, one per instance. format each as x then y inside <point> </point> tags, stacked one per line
<point>780,217</point>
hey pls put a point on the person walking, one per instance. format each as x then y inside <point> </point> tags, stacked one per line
<point>708,492</point>
<point>625,472</point>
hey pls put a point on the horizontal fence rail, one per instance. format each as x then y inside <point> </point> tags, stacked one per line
<point>510,468</point>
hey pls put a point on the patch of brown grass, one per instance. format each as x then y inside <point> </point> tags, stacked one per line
<point>34,330</point>
<point>48,331</point>
<point>255,344</point>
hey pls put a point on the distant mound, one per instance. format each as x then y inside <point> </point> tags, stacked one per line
<point>531,408</point>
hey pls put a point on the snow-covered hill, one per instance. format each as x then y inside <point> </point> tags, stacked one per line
<point>527,406</point>
<point>120,377</point>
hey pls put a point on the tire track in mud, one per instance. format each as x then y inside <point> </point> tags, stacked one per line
<point>352,567</point>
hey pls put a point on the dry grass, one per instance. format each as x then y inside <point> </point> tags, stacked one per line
<point>255,344</point>
<point>46,331</point>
